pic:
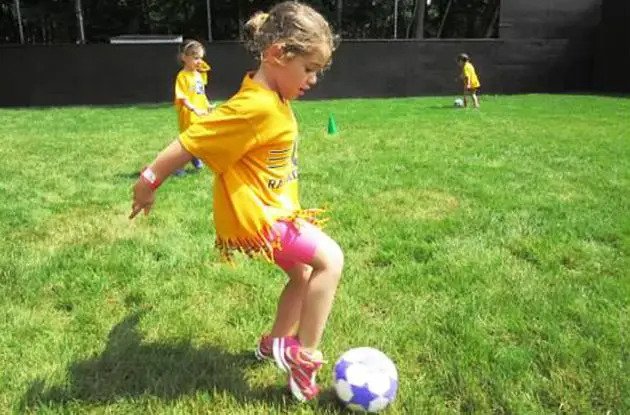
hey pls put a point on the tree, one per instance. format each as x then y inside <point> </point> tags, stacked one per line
<point>444,17</point>
<point>415,29</point>
<point>63,21</point>
<point>462,18</point>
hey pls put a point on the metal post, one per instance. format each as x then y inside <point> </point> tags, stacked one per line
<point>79,12</point>
<point>209,17</point>
<point>18,17</point>
<point>395,19</point>
<point>339,14</point>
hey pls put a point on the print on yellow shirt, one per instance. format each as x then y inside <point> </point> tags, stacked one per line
<point>250,143</point>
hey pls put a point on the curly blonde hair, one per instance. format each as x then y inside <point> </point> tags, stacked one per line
<point>190,46</point>
<point>298,26</point>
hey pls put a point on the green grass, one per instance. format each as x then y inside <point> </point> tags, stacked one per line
<point>487,252</point>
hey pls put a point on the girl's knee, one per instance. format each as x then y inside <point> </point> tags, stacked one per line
<point>334,258</point>
<point>328,255</point>
<point>300,274</point>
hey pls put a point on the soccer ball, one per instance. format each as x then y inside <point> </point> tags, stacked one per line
<point>365,379</point>
<point>458,103</point>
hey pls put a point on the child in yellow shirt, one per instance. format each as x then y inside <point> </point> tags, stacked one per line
<point>250,143</point>
<point>470,79</point>
<point>191,101</point>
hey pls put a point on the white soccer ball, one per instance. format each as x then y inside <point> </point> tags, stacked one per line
<point>459,103</point>
<point>365,379</point>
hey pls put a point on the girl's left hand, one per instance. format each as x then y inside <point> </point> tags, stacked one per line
<point>143,199</point>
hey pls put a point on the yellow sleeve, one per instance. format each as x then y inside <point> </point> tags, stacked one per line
<point>204,68</point>
<point>224,136</point>
<point>181,87</point>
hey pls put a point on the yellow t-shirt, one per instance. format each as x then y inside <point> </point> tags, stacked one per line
<point>250,143</point>
<point>471,75</point>
<point>190,85</point>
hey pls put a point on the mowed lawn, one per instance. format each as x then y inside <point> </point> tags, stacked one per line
<point>487,253</point>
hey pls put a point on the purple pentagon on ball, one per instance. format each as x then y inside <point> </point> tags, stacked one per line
<point>361,395</point>
<point>340,369</point>
<point>391,393</point>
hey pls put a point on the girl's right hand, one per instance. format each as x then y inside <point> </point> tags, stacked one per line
<point>143,198</point>
<point>199,112</point>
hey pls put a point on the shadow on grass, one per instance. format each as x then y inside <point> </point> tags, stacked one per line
<point>130,368</point>
<point>442,107</point>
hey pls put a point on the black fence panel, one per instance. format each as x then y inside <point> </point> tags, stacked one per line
<point>129,74</point>
<point>549,19</point>
<point>102,74</point>
<point>388,69</point>
<point>612,68</point>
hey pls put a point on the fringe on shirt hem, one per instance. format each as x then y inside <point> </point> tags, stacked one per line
<point>266,241</point>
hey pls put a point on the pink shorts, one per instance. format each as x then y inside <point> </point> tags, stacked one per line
<point>298,243</point>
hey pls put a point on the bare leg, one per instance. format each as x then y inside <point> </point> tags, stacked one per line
<point>290,302</point>
<point>475,99</point>
<point>327,265</point>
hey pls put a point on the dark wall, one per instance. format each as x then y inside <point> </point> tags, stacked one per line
<point>574,23</point>
<point>124,74</point>
<point>612,67</point>
<point>549,19</point>
<point>104,74</point>
<point>421,68</point>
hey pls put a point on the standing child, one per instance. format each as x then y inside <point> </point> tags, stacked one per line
<point>250,143</point>
<point>469,76</point>
<point>191,101</point>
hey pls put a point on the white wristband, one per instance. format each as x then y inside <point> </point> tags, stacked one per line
<point>150,178</point>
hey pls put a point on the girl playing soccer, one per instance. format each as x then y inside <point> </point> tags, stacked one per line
<point>250,143</point>
<point>191,101</point>
<point>470,79</point>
